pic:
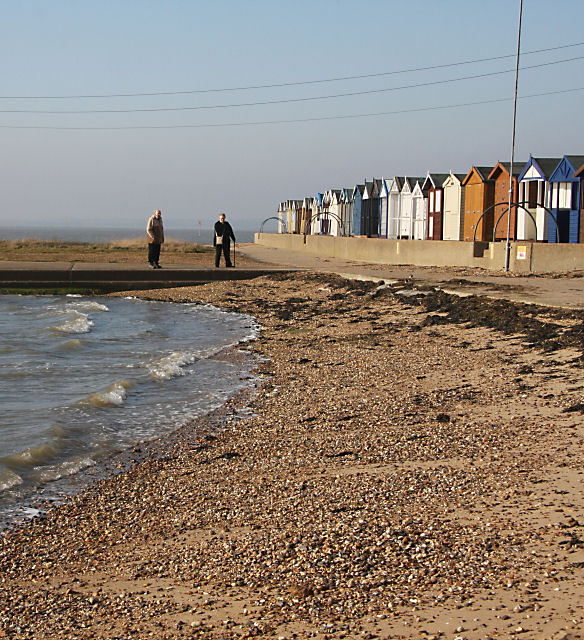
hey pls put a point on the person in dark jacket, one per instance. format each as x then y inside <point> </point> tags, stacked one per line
<point>222,240</point>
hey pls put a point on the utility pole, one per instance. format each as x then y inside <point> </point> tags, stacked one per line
<point>508,245</point>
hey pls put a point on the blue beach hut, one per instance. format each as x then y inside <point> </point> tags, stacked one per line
<point>356,214</point>
<point>565,200</point>
<point>534,195</point>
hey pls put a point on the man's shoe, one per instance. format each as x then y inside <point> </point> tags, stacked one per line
<point>152,266</point>
<point>158,266</point>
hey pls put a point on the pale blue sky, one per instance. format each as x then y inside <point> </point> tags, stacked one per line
<point>94,176</point>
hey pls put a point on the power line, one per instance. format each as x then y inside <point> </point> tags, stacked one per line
<point>287,100</point>
<point>286,84</point>
<point>294,120</point>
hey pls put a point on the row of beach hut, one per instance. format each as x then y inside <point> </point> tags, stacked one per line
<point>547,205</point>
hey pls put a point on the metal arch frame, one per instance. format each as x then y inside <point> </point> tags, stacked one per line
<point>516,205</point>
<point>505,211</point>
<point>317,216</point>
<point>280,220</point>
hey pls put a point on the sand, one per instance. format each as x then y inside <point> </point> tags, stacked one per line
<point>407,466</point>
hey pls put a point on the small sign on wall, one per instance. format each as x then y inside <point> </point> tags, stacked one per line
<point>521,252</point>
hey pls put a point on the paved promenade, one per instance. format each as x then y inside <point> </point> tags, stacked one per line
<point>560,290</point>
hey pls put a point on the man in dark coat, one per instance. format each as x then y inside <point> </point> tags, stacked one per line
<point>222,240</point>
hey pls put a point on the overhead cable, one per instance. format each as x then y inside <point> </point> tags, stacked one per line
<point>287,84</point>
<point>288,100</point>
<point>294,120</point>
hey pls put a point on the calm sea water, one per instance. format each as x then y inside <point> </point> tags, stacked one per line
<point>83,378</point>
<point>66,234</point>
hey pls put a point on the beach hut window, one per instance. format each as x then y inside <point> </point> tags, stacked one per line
<point>565,195</point>
<point>533,200</point>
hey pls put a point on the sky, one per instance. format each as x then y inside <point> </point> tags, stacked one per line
<point>195,145</point>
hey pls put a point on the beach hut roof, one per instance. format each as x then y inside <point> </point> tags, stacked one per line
<point>482,171</point>
<point>575,161</point>
<point>435,178</point>
<point>545,165</point>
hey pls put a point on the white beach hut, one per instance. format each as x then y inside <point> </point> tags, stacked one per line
<point>419,212</point>
<point>394,207</point>
<point>317,208</point>
<point>281,214</point>
<point>384,208</point>
<point>406,218</point>
<point>334,208</point>
<point>453,221</point>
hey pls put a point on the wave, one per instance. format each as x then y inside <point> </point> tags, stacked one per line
<point>174,364</point>
<point>65,469</point>
<point>114,396</point>
<point>9,479</point>
<point>171,365</point>
<point>79,323</point>
<point>32,456</point>
<point>87,305</point>
<point>100,396</point>
<point>70,345</point>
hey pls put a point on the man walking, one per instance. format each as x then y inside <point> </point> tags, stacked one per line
<point>155,232</point>
<point>222,240</point>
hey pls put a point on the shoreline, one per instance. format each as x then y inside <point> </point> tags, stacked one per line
<point>53,493</point>
<point>400,473</point>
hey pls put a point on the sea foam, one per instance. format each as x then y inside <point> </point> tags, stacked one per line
<point>65,469</point>
<point>112,397</point>
<point>79,323</point>
<point>9,479</point>
<point>171,365</point>
<point>87,305</point>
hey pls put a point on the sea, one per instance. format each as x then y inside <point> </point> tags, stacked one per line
<point>100,234</point>
<point>83,379</point>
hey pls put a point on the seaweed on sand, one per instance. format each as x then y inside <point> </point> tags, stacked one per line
<point>509,318</point>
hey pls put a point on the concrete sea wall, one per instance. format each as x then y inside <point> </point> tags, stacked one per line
<point>525,257</point>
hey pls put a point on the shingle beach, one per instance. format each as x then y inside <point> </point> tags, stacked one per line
<point>408,465</point>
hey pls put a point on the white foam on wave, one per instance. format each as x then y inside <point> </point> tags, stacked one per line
<point>87,305</point>
<point>65,469</point>
<point>114,396</point>
<point>174,364</point>
<point>171,365</point>
<point>79,323</point>
<point>9,479</point>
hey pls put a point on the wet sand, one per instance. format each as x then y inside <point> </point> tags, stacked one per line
<point>409,466</point>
